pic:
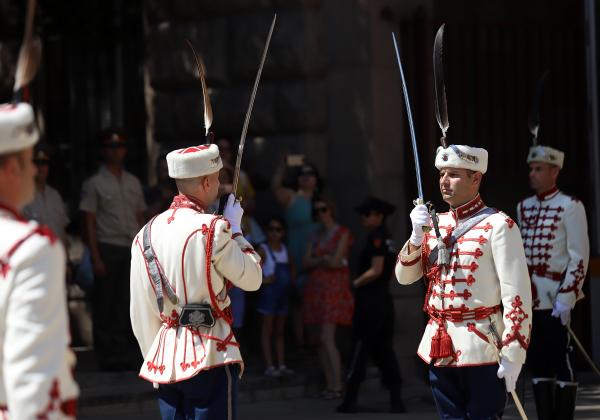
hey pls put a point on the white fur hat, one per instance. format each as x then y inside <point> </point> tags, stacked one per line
<point>192,162</point>
<point>546,154</point>
<point>17,127</point>
<point>460,156</point>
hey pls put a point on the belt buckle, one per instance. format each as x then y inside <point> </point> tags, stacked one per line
<point>197,315</point>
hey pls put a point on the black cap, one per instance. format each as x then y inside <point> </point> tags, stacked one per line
<point>375,204</point>
<point>112,137</point>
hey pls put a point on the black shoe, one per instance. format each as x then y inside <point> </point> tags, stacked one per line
<point>396,403</point>
<point>397,407</point>
<point>543,393</point>
<point>566,394</point>
<point>347,407</point>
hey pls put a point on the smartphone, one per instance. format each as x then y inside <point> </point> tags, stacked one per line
<point>295,160</point>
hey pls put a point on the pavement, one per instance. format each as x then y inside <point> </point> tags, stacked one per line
<point>123,395</point>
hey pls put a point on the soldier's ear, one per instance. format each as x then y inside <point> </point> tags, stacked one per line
<point>205,183</point>
<point>477,177</point>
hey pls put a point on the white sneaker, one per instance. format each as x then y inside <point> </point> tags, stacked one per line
<point>272,372</point>
<point>284,370</point>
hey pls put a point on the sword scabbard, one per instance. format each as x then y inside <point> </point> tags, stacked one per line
<point>435,220</point>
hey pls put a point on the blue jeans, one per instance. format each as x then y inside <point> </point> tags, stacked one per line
<point>210,395</point>
<point>468,393</point>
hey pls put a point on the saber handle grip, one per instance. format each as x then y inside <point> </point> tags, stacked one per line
<point>223,202</point>
<point>418,202</point>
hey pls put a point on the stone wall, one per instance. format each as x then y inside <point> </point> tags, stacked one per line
<point>330,90</point>
<point>316,92</point>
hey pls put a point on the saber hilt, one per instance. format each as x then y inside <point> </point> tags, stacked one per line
<point>443,255</point>
<point>419,201</point>
<point>223,201</point>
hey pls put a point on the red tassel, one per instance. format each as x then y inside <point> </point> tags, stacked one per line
<point>441,344</point>
<point>446,344</point>
<point>434,353</point>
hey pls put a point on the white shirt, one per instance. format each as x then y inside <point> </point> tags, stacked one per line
<point>115,201</point>
<point>48,208</point>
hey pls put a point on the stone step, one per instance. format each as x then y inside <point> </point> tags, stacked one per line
<point>113,394</point>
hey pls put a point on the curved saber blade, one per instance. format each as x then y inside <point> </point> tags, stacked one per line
<point>238,162</point>
<point>534,115</point>
<point>208,115</point>
<point>410,119</point>
<point>441,108</point>
<point>585,354</point>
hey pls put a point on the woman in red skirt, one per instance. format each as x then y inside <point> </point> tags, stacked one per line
<point>328,301</point>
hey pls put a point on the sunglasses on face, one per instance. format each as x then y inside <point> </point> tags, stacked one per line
<point>321,209</point>
<point>275,229</point>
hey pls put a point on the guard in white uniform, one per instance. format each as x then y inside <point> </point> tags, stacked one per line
<point>478,299</point>
<point>183,263</point>
<point>35,360</point>
<point>555,235</point>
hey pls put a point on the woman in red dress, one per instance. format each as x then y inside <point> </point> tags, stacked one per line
<point>328,301</point>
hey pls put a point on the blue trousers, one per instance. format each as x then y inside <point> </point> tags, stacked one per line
<point>210,395</point>
<point>468,393</point>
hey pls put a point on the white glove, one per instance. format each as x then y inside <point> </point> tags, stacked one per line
<point>419,217</point>
<point>510,372</point>
<point>233,212</point>
<point>561,311</point>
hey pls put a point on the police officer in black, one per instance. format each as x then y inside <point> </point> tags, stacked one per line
<point>373,322</point>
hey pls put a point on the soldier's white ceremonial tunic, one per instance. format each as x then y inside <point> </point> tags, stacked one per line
<point>487,280</point>
<point>554,230</point>
<point>200,258</point>
<point>35,359</point>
